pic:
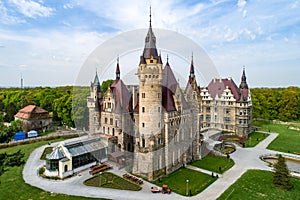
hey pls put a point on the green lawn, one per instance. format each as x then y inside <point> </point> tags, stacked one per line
<point>255,138</point>
<point>256,185</point>
<point>212,163</point>
<point>287,141</point>
<point>13,186</point>
<point>110,180</point>
<point>177,181</point>
<point>46,151</point>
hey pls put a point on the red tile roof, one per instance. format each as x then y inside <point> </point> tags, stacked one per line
<point>32,112</point>
<point>216,87</point>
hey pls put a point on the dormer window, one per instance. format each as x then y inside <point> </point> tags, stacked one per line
<point>151,61</point>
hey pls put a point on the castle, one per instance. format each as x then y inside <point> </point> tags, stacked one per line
<point>160,123</point>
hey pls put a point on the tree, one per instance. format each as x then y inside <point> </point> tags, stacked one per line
<point>105,85</point>
<point>281,175</point>
<point>10,160</point>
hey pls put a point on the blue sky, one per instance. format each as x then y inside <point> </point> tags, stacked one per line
<point>47,41</point>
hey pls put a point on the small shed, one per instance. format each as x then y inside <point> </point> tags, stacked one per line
<point>19,136</point>
<point>32,133</point>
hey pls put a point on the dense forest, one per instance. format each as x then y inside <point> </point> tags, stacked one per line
<point>67,104</point>
<point>276,103</point>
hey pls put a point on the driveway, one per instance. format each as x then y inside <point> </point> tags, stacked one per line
<point>244,158</point>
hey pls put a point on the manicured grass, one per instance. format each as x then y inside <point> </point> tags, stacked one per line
<point>257,184</point>
<point>287,141</point>
<point>110,180</point>
<point>255,138</point>
<point>46,133</point>
<point>13,186</point>
<point>212,163</point>
<point>177,181</point>
<point>47,150</point>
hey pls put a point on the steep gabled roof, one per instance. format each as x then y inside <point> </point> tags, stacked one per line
<point>217,86</point>
<point>32,112</point>
<point>122,95</point>
<point>169,87</point>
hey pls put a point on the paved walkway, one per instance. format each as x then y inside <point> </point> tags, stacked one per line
<point>203,170</point>
<point>244,158</point>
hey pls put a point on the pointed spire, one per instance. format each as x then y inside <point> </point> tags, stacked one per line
<point>244,84</point>
<point>192,70</point>
<point>118,70</point>
<point>96,79</point>
<point>97,82</point>
<point>150,17</point>
<point>150,42</point>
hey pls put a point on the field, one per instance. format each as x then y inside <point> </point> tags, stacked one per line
<point>256,185</point>
<point>177,181</point>
<point>255,138</point>
<point>13,186</point>
<point>213,163</point>
<point>287,141</point>
<point>110,180</point>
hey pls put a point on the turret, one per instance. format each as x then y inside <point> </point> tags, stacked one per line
<point>118,70</point>
<point>243,84</point>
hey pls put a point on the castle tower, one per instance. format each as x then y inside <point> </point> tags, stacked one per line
<point>244,108</point>
<point>150,106</point>
<point>194,100</point>
<point>93,104</point>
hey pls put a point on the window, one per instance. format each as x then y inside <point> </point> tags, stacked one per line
<point>143,109</point>
<point>241,121</point>
<point>158,95</point>
<point>105,121</point>
<point>143,124</point>
<point>143,95</point>
<point>208,109</point>
<point>207,118</point>
<point>143,142</point>
<point>201,118</point>
<point>227,110</point>
<point>245,112</point>
<point>116,123</point>
<point>111,121</point>
<point>158,109</point>
<point>158,124</point>
<point>151,61</point>
<point>226,119</point>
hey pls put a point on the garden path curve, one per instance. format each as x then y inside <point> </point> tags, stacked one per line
<point>244,158</point>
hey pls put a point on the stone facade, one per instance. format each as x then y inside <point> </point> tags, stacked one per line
<point>228,109</point>
<point>159,123</point>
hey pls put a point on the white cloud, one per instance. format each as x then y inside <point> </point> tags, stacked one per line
<point>32,9</point>
<point>244,13</point>
<point>241,4</point>
<point>67,6</point>
<point>6,18</point>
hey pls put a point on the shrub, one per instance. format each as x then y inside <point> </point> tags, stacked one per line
<point>41,170</point>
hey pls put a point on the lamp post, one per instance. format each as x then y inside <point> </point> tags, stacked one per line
<point>100,179</point>
<point>187,187</point>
